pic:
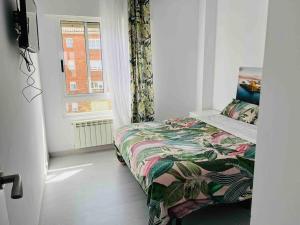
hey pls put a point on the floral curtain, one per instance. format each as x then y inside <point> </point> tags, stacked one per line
<point>141,61</point>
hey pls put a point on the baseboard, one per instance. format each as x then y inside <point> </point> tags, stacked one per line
<point>81,151</point>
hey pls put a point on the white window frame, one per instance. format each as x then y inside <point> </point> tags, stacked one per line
<point>81,97</point>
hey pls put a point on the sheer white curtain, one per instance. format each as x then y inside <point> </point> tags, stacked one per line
<point>114,28</point>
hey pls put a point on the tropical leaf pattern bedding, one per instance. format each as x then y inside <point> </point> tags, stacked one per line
<point>185,164</point>
<point>243,111</point>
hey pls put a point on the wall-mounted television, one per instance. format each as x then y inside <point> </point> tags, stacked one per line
<point>27,25</point>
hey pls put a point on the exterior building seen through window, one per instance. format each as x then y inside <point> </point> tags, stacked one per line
<point>84,83</point>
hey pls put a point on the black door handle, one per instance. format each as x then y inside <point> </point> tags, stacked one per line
<point>17,188</point>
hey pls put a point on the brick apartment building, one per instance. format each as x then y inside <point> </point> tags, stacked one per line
<point>83,65</point>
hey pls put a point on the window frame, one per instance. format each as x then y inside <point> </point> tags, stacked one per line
<point>88,96</point>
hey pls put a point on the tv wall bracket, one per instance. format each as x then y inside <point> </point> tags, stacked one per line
<point>17,23</point>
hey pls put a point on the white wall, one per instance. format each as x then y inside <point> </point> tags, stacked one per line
<point>3,209</point>
<point>22,134</point>
<point>241,29</point>
<point>198,47</point>
<point>175,26</point>
<point>59,129</point>
<point>175,63</point>
<point>277,180</point>
<point>60,135</point>
<point>71,7</point>
<point>206,56</point>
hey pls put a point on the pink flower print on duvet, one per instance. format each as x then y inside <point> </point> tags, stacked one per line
<point>241,149</point>
<point>191,123</point>
<point>149,164</point>
<point>218,137</point>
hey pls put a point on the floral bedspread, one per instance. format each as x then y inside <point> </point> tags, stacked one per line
<point>185,164</point>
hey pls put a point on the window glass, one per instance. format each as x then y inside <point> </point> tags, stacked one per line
<point>94,43</point>
<point>73,86</point>
<point>82,52</point>
<point>75,61</point>
<point>88,106</point>
<point>74,106</point>
<point>96,65</point>
<point>71,65</point>
<point>69,42</point>
<point>95,56</point>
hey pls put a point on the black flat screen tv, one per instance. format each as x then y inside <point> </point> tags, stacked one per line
<point>28,27</point>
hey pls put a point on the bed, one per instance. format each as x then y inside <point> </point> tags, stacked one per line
<point>189,163</point>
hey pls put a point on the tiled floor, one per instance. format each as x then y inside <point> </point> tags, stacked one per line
<point>94,189</point>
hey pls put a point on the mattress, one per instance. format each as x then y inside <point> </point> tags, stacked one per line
<point>186,164</point>
<point>238,128</point>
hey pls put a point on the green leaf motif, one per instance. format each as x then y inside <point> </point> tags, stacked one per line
<point>224,179</point>
<point>161,167</point>
<point>236,190</point>
<point>214,187</point>
<point>211,155</point>
<point>245,165</point>
<point>219,165</point>
<point>157,191</point>
<point>230,141</point>
<point>146,154</point>
<point>155,210</point>
<point>204,187</point>
<point>194,168</point>
<point>131,141</point>
<point>174,193</point>
<point>218,199</point>
<point>140,61</point>
<point>176,174</point>
<point>192,189</point>
<point>207,144</point>
<point>183,169</point>
<point>223,150</point>
<point>250,153</point>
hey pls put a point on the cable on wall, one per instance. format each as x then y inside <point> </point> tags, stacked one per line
<point>28,72</point>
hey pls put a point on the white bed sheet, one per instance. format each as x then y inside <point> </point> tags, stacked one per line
<point>240,129</point>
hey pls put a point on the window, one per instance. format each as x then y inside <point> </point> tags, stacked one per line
<point>87,106</point>
<point>71,65</point>
<point>69,42</point>
<point>96,65</point>
<point>73,86</point>
<point>94,43</point>
<point>74,106</point>
<point>84,84</point>
<point>97,85</point>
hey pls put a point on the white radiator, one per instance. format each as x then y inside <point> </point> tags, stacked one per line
<point>92,133</point>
